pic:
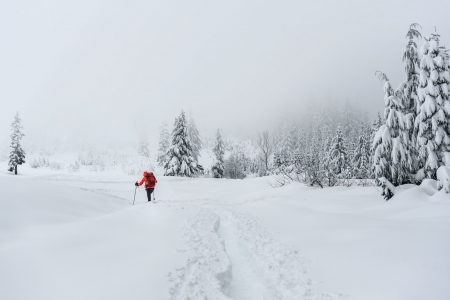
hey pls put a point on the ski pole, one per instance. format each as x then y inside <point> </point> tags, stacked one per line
<point>154,197</point>
<point>135,194</point>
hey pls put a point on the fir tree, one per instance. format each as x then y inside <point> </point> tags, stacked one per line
<point>219,151</point>
<point>392,160</point>
<point>194,136</point>
<point>337,156</point>
<point>411,62</point>
<point>180,159</point>
<point>17,156</point>
<point>314,162</point>
<point>408,93</point>
<point>361,157</point>
<point>432,122</point>
<point>164,143</point>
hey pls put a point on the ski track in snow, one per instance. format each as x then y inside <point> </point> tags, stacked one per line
<point>232,257</point>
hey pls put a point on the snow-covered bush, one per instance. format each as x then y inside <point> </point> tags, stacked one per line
<point>443,177</point>
<point>74,167</point>
<point>388,189</point>
<point>39,162</point>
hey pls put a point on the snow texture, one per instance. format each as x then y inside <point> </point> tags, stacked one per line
<point>77,236</point>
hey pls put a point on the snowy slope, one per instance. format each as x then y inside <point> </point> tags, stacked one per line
<point>76,236</point>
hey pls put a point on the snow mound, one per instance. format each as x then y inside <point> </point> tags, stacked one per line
<point>429,186</point>
<point>27,204</point>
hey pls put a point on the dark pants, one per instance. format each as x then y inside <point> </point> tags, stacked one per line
<point>149,194</point>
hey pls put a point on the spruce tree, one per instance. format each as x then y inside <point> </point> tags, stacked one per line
<point>392,161</point>
<point>180,159</point>
<point>194,136</point>
<point>361,157</point>
<point>337,155</point>
<point>164,143</point>
<point>219,151</point>
<point>17,156</point>
<point>408,93</point>
<point>411,62</point>
<point>432,122</point>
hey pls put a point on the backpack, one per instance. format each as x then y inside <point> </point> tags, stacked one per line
<point>151,180</point>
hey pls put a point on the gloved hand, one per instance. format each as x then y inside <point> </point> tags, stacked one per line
<point>136,184</point>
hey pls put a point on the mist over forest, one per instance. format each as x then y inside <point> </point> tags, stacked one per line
<point>109,69</point>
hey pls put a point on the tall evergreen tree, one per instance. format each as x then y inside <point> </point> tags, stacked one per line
<point>164,144</point>
<point>411,62</point>
<point>408,93</point>
<point>361,156</point>
<point>17,155</point>
<point>337,155</point>
<point>194,136</point>
<point>219,152</point>
<point>180,158</point>
<point>392,160</point>
<point>433,120</point>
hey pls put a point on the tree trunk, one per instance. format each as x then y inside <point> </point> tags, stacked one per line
<point>15,170</point>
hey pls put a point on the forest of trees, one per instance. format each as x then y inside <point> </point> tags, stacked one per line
<point>323,147</point>
<point>325,144</point>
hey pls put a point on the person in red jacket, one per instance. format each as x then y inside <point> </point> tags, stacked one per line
<point>150,182</point>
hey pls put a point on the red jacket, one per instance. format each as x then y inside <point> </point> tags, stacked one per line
<point>146,179</point>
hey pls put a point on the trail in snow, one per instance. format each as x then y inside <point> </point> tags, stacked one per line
<point>207,272</point>
<point>246,282</point>
<point>232,257</point>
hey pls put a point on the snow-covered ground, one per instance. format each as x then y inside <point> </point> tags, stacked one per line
<point>77,236</point>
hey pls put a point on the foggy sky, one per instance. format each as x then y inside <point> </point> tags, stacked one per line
<point>79,69</point>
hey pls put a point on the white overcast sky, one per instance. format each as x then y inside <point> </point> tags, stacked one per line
<point>111,68</point>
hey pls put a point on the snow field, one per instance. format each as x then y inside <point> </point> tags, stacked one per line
<point>76,236</point>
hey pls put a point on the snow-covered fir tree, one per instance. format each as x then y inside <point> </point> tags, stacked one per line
<point>361,157</point>
<point>194,136</point>
<point>144,145</point>
<point>180,158</point>
<point>411,62</point>
<point>219,152</point>
<point>407,91</point>
<point>337,155</point>
<point>313,161</point>
<point>432,122</point>
<point>17,155</point>
<point>392,162</point>
<point>164,143</point>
